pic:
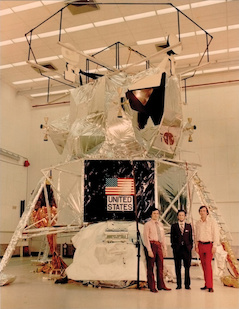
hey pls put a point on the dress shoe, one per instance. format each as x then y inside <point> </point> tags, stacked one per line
<point>153,291</point>
<point>204,288</point>
<point>187,288</point>
<point>210,290</point>
<point>165,289</point>
<point>178,288</point>
<point>63,280</point>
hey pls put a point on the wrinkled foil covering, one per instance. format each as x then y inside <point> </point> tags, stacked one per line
<point>101,125</point>
<point>58,132</point>
<point>97,259</point>
<point>6,279</point>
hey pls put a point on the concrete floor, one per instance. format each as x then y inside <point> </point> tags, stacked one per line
<point>33,290</point>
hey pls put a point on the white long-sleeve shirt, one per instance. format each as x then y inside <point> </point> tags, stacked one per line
<point>151,234</point>
<point>207,231</point>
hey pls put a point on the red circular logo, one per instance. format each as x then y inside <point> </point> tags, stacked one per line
<point>168,138</point>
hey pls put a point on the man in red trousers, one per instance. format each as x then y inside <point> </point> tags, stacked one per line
<point>206,241</point>
<point>154,240</point>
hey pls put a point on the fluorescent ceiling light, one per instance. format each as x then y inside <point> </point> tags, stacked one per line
<point>155,40</point>
<point>50,33</point>
<point>218,29</point>
<point>25,7</point>
<point>166,11</point>
<point>41,94</point>
<point>5,12</point>
<point>234,68</point>
<point>235,49</point>
<point>109,22</point>
<point>32,37</point>
<point>211,71</point>
<point>198,72</point>
<point>19,40</point>
<point>60,91</point>
<point>192,72</point>
<point>216,52</point>
<point>18,64</point>
<point>6,66</point>
<point>183,35</point>
<point>187,56</point>
<point>184,7</point>
<point>25,81</point>
<point>215,70</point>
<point>236,26</point>
<point>95,50</point>
<point>4,43</point>
<point>23,38</point>
<point>40,79</point>
<point>28,6</point>
<point>213,30</point>
<point>139,16</point>
<point>206,3</point>
<point>173,10</point>
<point>79,28</point>
<point>47,59</point>
<point>187,35</point>
<point>48,2</point>
<point>141,63</point>
<point>56,76</point>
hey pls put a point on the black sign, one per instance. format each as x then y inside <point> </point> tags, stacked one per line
<point>111,188</point>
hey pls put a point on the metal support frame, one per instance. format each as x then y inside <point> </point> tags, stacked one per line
<point>117,56</point>
<point>193,180</point>
<point>171,205</point>
<point>137,227</point>
<point>19,229</point>
<point>23,230</point>
<point>28,36</point>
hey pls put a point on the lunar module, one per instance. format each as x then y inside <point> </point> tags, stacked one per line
<point>122,137</point>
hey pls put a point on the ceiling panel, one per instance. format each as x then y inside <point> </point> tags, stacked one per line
<point>15,26</point>
<point>233,38</point>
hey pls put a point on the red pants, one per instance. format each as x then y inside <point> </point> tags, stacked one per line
<point>205,253</point>
<point>158,260</point>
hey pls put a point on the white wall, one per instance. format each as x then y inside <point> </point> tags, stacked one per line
<point>15,120</point>
<point>215,112</point>
<point>15,137</point>
<point>20,133</point>
<point>43,153</point>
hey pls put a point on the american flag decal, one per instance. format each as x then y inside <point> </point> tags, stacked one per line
<point>119,186</point>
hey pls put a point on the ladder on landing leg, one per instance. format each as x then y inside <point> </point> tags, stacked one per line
<point>207,200</point>
<point>225,235</point>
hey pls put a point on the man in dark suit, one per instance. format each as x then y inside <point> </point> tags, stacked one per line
<point>182,243</point>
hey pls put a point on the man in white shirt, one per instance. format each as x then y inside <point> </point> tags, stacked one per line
<point>206,241</point>
<point>154,241</point>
